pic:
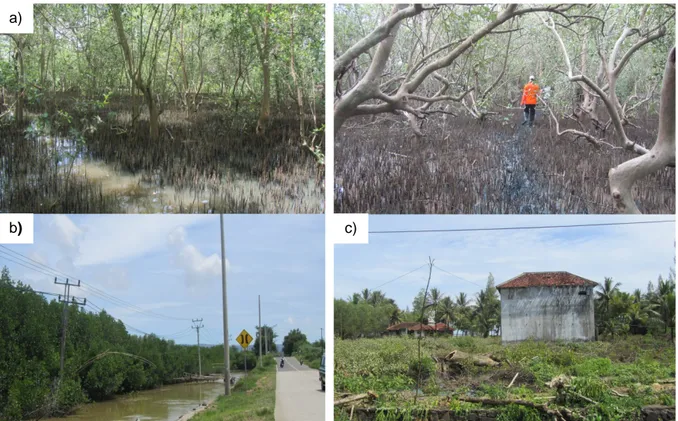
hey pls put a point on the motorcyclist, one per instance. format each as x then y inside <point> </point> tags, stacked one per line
<point>529,100</point>
<point>282,362</point>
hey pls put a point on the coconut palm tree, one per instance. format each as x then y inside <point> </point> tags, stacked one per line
<point>375,298</point>
<point>665,300</point>
<point>447,311</point>
<point>463,312</point>
<point>434,299</point>
<point>394,318</point>
<point>604,296</point>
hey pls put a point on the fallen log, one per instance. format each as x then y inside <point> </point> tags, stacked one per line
<point>355,398</point>
<point>457,358</point>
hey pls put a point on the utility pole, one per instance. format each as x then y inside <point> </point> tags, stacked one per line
<point>66,298</point>
<point>227,356</point>
<point>261,360</point>
<point>197,328</point>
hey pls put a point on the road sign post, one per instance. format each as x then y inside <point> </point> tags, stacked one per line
<point>244,339</point>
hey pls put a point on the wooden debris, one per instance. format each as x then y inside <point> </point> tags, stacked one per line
<point>621,395</point>
<point>457,357</point>
<point>514,379</point>
<point>355,398</point>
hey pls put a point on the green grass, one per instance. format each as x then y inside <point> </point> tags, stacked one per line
<point>252,399</point>
<point>630,365</point>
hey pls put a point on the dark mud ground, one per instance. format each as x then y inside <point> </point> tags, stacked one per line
<point>495,167</point>
<point>210,161</point>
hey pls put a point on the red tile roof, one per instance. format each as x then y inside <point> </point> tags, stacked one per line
<point>546,279</point>
<point>413,326</point>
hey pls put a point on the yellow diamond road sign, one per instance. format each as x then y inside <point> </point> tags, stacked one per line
<point>244,339</point>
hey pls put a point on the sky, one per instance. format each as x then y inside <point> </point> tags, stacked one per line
<point>631,255</point>
<point>170,266</point>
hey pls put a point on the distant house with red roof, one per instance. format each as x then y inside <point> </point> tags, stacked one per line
<point>416,328</point>
<point>547,306</point>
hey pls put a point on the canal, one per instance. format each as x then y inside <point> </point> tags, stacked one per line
<point>166,403</point>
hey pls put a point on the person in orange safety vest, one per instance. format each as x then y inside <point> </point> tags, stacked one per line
<point>529,100</point>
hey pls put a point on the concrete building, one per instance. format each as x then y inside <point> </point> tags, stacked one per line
<point>547,306</point>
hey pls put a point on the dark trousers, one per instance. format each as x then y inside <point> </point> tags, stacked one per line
<point>529,112</point>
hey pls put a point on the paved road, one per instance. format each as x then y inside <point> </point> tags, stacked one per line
<point>297,393</point>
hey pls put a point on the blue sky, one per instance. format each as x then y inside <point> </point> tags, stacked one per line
<point>632,255</point>
<point>171,265</point>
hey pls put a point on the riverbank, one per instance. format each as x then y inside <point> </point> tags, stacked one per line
<point>252,399</point>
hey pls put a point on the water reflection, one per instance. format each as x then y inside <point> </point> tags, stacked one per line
<point>164,404</point>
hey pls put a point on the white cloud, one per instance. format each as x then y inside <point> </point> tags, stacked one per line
<point>63,232</point>
<point>198,268</point>
<point>290,320</point>
<point>122,238</point>
<point>112,277</point>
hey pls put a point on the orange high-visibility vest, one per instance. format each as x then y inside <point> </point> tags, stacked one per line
<point>530,92</point>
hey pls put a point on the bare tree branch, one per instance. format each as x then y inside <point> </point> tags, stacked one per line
<point>379,34</point>
<point>663,153</point>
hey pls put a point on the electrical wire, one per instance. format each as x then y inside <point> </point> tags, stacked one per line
<point>30,266</point>
<point>399,277</point>
<point>34,265</point>
<point>533,227</point>
<point>122,303</point>
<point>58,272</point>
<point>456,276</point>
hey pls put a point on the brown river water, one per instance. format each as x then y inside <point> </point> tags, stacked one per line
<point>163,404</point>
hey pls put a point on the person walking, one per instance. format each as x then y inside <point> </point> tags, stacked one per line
<point>529,100</point>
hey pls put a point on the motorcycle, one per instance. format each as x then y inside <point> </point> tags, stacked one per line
<point>282,363</point>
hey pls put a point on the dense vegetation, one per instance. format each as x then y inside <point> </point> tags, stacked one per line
<point>369,313</point>
<point>164,108</point>
<point>102,357</point>
<point>620,375</point>
<point>428,117</point>
<point>296,344</point>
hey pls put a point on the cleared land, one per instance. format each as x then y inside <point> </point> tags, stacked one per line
<point>610,380</point>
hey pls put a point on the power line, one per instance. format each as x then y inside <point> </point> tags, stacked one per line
<point>399,277</point>
<point>61,274</point>
<point>49,271</point>
<point>456,276</point>
<point>29,289</point>
<point>124,304</point>
<point>99,309</point>
<point>27,265</point>
<point>533,227</point>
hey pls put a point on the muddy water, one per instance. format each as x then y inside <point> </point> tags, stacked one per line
<point>164,404</point>
<point>145,193</point>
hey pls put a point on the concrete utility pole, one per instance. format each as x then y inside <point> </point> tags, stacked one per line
<point>66,298</point>
<point>200,325</point>
<point>227,356</point>
<point>261,360</point>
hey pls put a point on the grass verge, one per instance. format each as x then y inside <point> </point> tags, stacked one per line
<point>252,399</point>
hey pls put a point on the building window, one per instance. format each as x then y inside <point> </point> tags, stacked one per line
<point>582,292</point>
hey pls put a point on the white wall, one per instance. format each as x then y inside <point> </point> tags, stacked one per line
<point>547,313</point>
